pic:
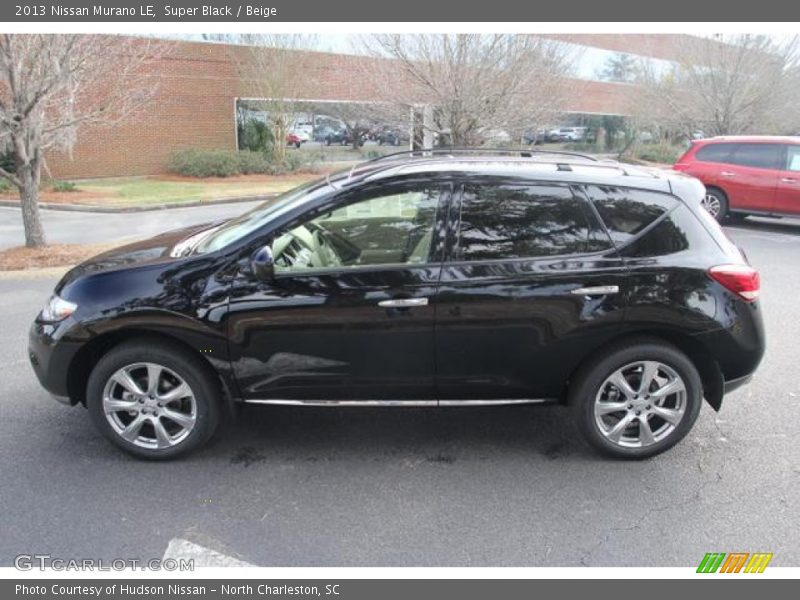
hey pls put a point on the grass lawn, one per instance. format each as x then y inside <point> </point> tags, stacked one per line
<point>166,189</point>
<point>152,190</point>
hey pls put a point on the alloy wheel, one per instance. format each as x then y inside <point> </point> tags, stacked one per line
<point>149,405</point>
<point>712,204</point>
<point>640,404</point>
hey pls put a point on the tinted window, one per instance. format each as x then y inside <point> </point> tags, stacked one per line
<point>762,156</point>
<point>678,232</point>
<point>714,152</point>
<point>626,212</point>
<point>793,158</point>
<point>525,221</point>
<point>386,227</point>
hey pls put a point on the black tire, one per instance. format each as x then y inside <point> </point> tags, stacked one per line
<point>586,385</point>
<point>722,199</point>
<point>203,385</point>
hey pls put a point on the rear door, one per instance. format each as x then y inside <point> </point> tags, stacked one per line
<point>750,176</point>
<point>787,198</point>
<point>529,285</point>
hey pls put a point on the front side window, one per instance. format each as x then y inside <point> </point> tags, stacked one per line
<point>382,228</point>
<point>500,221</point>
<point>793,158</point>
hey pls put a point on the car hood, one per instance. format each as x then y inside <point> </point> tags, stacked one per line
<point>163,248</point>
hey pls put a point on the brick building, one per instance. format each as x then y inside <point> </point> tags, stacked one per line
<point>200,82</point>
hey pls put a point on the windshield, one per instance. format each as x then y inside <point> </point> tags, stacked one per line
<point>241,226</point>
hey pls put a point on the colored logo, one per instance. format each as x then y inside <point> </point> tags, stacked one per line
<point>734,562</point>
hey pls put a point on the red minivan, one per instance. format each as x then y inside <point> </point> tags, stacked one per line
<point>746,175</point>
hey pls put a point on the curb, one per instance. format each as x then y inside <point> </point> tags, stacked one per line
<point>133,209</point>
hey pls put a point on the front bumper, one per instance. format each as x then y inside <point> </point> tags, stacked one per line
<point>50,358</point>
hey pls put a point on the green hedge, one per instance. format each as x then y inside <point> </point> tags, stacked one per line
<point>195,162</point>
<point>660,153</point>
<point>205,163</point>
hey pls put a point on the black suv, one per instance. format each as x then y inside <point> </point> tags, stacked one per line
<point>436,278</point>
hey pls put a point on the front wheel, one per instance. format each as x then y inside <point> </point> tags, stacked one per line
<point>153,399</point>
<point>636,400</point>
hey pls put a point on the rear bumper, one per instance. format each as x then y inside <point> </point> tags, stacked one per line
<point>735,384</point>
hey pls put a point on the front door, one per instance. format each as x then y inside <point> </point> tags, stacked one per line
<point>751,178</point>
<point>787,198</point>
<point>350,312</point>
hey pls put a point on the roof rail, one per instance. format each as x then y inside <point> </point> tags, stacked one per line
<point>454,152</point>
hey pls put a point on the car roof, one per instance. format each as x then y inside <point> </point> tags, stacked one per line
<point>751,139</point>
<point>515,163</point>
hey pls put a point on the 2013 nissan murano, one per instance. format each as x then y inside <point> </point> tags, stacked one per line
<point>421,279</point>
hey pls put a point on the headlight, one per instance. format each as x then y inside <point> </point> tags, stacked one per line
<point>57,309</point>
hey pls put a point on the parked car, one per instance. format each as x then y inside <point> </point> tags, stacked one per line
<point>292,139</point>
<point>567,134</point>
<point>337,136</point>
<point>746,175</point>
<point>321,133</point>
<point>391,136</point>
<point>535,138</point>
<point>430,280</point>
<point>303,134</point>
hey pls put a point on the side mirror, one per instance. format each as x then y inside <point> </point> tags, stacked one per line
<point>262,264</point>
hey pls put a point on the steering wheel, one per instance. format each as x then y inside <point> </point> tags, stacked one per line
<point>324,251</point>
<point>310,237</point>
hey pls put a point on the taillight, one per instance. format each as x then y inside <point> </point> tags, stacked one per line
<point>742,280</point>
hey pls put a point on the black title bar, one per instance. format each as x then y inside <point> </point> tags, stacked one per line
<point>249,11</point>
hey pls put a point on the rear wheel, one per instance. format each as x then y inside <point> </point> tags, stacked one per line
<point>636,400</point>
<point>716,203</point>
<point>153,399</point>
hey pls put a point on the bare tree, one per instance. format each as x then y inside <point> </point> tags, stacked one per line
<point>51,86</point>
<point>477,82</point>
<point>724,86</point>
<point>274,70</point>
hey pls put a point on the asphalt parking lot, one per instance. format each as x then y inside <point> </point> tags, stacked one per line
<point>508,486</point>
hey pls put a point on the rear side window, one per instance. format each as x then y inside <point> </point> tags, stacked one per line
<point>626,212</point>
<point>678,232</point>
<point>502,221</point>
<point>760,156</point>
<point>715,152</point>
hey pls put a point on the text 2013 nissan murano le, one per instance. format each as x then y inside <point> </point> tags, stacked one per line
<point>420,279</point>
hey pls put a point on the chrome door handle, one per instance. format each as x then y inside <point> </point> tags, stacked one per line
<point>403,302</point>
<point>788,180</point>
<point>597,290</point>
<point>727,173</point>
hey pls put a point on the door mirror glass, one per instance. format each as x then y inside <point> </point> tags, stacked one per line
<point>262,264</point>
